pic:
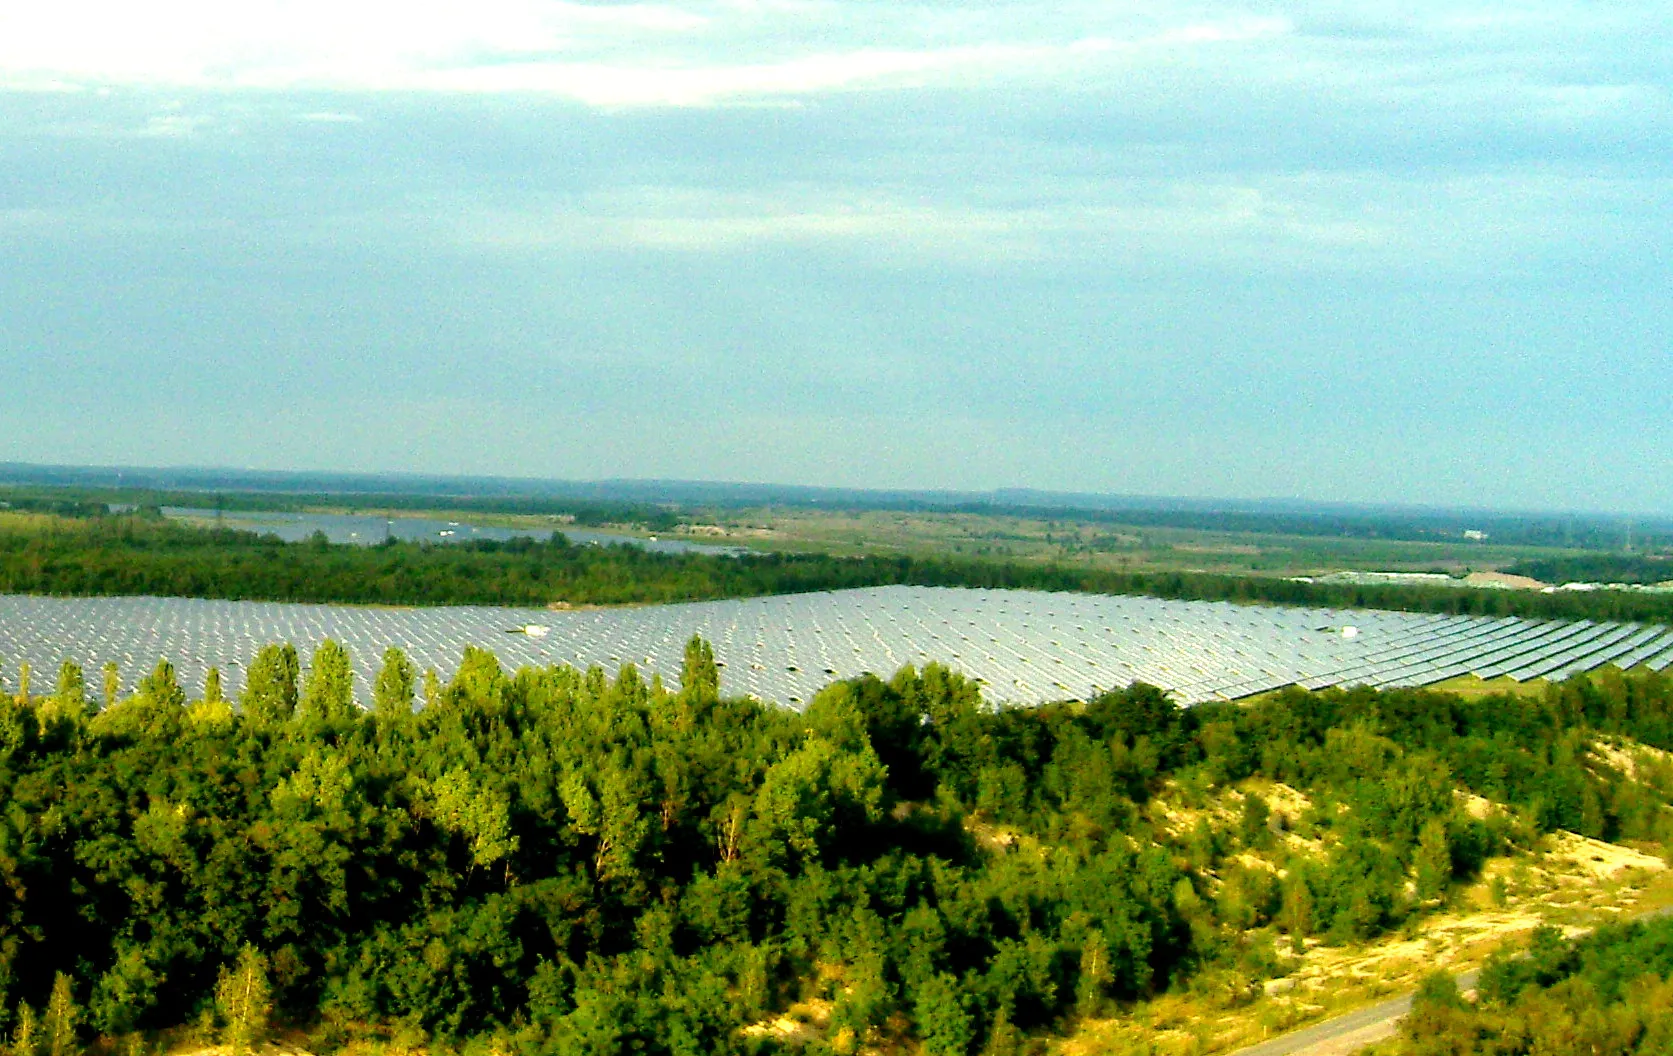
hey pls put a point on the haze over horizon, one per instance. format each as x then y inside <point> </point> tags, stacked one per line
<point>1390,254</point>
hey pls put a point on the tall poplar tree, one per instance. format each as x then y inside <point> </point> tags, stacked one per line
<point>392,694</point>
<point>270,685</point>
<point>329,698</point>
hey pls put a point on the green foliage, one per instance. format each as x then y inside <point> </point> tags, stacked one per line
<point>1597,568</point>
<point>392,696</point>
<point>58,1025</point>
<point>126,555</point>
<point>1433,863</point>
<point>112,682</point>
<point>943,1021</point>
<point>699,675</point>
<point>578,863</point>
<point>1437,991</point>
<point>26,1035</point>
<point>328,701</point>
<point>270,686</point>
<point>70,700</point>
<point>214,710</point>
<point>1608,993</point>
<point>244,1001</point>
<point>479,814</point>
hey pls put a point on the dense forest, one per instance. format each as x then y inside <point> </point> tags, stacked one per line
<point>1598,568</point>
<point>556,861</point>
<point>135,555</point>
<point>1608,994</point>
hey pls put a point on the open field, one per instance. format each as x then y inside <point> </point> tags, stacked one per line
<point>1268,540</point>
<point>1102,544</point>
<point>1065,540</point>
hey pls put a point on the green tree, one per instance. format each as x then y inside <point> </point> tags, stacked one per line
<point>480,814</point>
<point>612,817</point>
<point>153,713</point>
<point>244,1000</point>
<point>328,701</point>
<point>1252,823</point>
<point>270,686</point>
<point>1433,861</point>
<point>213,711</point>
<point>1298,913</point>
<point>162,688</point>
<point>71,696</point>
<point>58,1026</point>
<point>392,696</point>
<point>806,795</point>
<point>69,702</point>
<point>699,674</point>
<point>944,1024</point>
<point>1438,989</point>
<point>26,1035</point>
<point>113,683</point>
<point>1095,974</point>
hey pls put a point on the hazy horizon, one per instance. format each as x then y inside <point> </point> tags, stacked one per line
<point>691,491</point>
<point>1398,255</point>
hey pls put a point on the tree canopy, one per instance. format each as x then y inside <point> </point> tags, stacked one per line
<point>573,862</point>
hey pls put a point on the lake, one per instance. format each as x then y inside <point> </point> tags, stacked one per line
<point>369,530</point>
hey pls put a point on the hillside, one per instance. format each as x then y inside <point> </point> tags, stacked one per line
<point>560,861</point>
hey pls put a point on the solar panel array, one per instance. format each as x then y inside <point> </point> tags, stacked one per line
<point>1023,646</point>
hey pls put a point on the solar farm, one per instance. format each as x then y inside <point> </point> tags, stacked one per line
<point>1022,646</point>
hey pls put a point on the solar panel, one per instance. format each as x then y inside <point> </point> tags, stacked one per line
<point>1024,646</point>
<point>1583,654</point>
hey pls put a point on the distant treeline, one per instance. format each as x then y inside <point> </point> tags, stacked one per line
<point>130,555</point>
<point>1598,568</point>
<point>95,502</point>
<point>562,862</point>
<point>660,505</point>
<point>1593,533</point>
<point>55,504</point>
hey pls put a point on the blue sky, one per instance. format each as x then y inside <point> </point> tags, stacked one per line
<point>1406,253</point>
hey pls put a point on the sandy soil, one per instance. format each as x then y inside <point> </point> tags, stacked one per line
<point>1570,881</point>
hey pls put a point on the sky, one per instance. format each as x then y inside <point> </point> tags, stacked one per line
<point>1368,252</point>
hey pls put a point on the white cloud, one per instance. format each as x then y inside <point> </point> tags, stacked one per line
<point>300,43</point>
<point>1318,221</point>
<point>695,52</point>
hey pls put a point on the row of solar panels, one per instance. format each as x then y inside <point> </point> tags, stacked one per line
<point>1022,646</point>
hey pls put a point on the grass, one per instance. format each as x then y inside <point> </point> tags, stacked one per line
<point>1473,687</point>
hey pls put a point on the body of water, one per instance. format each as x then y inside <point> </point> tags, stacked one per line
<point>369,530</point>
